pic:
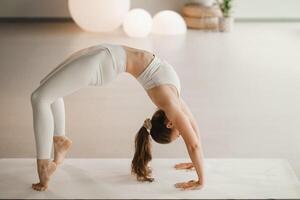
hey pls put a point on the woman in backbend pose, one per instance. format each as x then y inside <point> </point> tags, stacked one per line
<point>98,65</point>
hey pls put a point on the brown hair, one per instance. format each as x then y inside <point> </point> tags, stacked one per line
<point>142,156</point>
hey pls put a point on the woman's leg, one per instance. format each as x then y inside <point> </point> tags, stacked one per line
<point>58,111</point>
<point>61,143</point>
<point>76,74</point>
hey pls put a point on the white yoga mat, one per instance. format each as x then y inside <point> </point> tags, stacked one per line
<point>111,178</point>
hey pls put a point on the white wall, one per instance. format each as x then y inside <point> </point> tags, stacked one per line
<point>34,8</point>
<point>244,9</point>
<point>59,8</point>
<point>267,9</point>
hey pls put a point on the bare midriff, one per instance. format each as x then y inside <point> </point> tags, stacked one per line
<point>137,60</point>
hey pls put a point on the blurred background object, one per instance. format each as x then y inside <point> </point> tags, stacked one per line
<point>209,15</point>
<point>198,16</point>
<point>98,15</point>
<point>226,21</point>
<point>206,3</point>
<point>244,10</point>
<point>137,23</point>
<point>168,22</point>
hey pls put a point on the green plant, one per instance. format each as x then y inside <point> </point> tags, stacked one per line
<point>225,6</point>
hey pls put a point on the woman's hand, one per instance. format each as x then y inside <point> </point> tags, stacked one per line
<point>184,166</point>
<point>191,185</point>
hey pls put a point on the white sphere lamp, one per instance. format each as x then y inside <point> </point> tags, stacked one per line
<point>168,22</point>
<point>137,23</point>
<point>98,15</point>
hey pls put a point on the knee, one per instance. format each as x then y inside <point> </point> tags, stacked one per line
<point>36,97</point>
<point>36,94</point>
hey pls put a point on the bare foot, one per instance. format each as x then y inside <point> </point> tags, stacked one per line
<point>45,169</point>
<point>61,145</point>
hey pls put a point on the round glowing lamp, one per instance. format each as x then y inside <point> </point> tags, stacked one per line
<point>168,22</point>
<point>137,23</point>
<point>98,15</point>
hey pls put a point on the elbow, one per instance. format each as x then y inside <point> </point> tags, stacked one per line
<point>194,147</point>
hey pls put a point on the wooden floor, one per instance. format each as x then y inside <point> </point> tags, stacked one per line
<point>243,88</point>
<point>110,178</point>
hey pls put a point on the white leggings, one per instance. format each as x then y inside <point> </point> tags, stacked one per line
<point>91,66</point>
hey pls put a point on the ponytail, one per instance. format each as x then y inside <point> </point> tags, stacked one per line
<point>142,156</point>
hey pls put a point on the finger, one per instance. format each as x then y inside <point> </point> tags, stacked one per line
<point>180,165</point>
<point>184,167</point>
<point>197,187</point>
<point>187,185</point>
<point>192,187</point>
<point>178,185</point>
<point>182,185</point>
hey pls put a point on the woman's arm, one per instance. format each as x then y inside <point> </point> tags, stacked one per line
<point>182,122</point>
<point>186,110</point>
<point>164,98</point>
<point>193,121</point>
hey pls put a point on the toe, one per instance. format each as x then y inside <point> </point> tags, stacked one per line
<point>40,187</point>
<point>43,188</point>
<point>34,187</point>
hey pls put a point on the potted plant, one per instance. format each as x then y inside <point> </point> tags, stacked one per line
<point>225,22</point>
